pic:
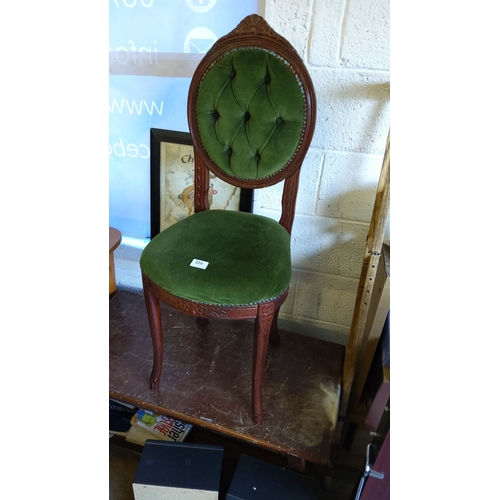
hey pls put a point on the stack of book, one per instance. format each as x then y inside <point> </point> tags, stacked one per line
<point>137,424</point>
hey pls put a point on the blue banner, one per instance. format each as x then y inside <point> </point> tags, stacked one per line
<point>154,47</point>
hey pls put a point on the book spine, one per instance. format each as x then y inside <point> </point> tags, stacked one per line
<point>160,426</point>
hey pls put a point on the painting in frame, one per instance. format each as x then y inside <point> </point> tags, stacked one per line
<point>172,182</point>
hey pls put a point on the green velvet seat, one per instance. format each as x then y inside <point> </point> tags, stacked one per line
<point>248,258</point>
<point>251,116</point>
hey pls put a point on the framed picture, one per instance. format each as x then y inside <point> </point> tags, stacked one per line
<point>172,182</point>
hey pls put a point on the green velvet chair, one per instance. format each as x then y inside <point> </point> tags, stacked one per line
<point>251,115</point>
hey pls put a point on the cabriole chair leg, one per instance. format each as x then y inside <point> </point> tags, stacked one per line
<point>261,338</point>
<point>154,317</point>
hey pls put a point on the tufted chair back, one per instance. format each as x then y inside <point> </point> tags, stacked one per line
<point>251,111</point>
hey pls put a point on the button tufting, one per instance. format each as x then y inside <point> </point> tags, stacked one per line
<point>256,130</point>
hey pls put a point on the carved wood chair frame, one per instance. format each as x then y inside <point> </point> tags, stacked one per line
<point>253,31</point>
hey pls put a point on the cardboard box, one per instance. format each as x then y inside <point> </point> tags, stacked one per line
<point>180,471</point>
<point>258,480</point>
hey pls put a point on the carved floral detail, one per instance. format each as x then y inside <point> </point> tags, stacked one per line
<point>200,310</point>
<point>266,315</point>
<point>254,24</point>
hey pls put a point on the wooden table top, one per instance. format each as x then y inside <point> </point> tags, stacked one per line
<point>206,378</point>
<point>115,238</point>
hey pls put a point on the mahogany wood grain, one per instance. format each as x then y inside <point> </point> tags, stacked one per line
<point>290,190</point>
<point>265,316</point>
<point>155,326</point>
<point>274,336</point>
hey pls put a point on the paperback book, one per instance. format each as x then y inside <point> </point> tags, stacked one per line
<point>146,424</point>
<point>119,417</point>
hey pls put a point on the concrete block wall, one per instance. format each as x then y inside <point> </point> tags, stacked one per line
<point>345,44</point>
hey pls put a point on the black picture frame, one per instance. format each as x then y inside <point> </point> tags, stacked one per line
<point>180,172</point>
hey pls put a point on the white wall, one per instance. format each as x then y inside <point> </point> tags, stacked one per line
<point>345,44</point>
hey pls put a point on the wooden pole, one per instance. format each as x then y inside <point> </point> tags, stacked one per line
<point>373,250</point>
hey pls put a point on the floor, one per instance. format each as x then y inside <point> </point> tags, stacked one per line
<point>126,336</point>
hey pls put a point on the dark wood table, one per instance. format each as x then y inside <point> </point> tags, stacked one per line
<point>206,378</point>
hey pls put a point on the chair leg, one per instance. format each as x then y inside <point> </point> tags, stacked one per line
<point>261,338</point>
<point>274,337</point>
<point>154,317</point>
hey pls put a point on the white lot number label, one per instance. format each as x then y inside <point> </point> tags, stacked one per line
<point>199,263</point>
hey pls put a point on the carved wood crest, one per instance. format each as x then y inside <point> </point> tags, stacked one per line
<point>255,25</point>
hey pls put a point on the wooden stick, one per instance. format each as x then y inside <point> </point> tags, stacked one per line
<point>371,259</point>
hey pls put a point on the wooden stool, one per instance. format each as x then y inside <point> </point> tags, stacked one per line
<point>115,238</point>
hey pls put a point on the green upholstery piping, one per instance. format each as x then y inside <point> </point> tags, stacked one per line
<point>250,112</point>
<point>248,255</point>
